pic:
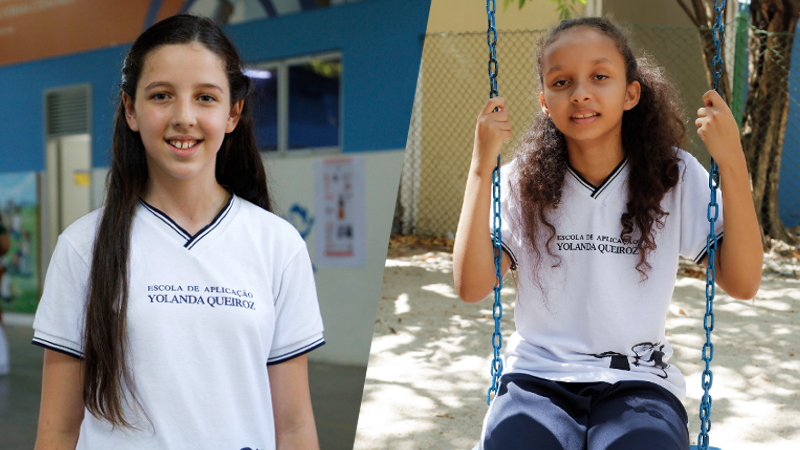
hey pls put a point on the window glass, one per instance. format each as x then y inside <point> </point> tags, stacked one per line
<point>265,112</point>
<point>314,104</point>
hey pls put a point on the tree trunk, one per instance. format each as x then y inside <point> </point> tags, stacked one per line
<point>767,107</point>
<point>703,16</point>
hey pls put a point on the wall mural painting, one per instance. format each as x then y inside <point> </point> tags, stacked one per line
<point>19,218</point>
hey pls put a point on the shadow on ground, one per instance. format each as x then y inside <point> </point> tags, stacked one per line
<point>429,363</point>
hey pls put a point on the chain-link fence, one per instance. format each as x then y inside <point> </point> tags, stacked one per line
<point>453,85</point>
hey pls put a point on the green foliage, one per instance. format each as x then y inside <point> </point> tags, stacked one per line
<point>327,69</point>
<point>565,8</point>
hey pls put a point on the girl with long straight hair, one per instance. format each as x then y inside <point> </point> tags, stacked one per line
<point>179,315</point>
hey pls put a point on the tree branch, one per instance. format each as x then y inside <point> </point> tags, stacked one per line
<point>688,13</point>
<point>702,12</point>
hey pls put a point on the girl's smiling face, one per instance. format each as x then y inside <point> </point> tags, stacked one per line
<point>182,111</point>
<point>585,90</point>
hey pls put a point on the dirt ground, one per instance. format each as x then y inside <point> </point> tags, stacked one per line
<point>429,363</point>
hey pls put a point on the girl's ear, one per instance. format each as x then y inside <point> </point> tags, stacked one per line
<point>543,104</point>
<point>130,113</point>
<point>632,94</point>
<point>233,118</point>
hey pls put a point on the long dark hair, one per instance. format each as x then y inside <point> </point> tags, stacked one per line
<point>238,167</point>
<point>651,133</point>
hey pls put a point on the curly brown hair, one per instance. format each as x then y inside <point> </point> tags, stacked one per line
<point>651,134</point>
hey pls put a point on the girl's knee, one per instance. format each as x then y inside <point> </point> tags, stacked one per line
<point>519,431</point>
<point>652,439</point>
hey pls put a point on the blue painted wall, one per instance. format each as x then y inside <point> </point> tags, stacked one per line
<point>380,42</point>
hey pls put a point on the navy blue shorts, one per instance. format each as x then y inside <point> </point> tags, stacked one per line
<point>531,412</point>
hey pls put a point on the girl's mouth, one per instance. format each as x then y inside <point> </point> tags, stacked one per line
<point>584,118</point>
<point>183,145</point>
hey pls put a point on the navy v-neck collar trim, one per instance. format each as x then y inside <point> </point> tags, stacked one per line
<point>597,190</point>
<point>211,226</point>
<point>166,219</point>
<point>191,241</point>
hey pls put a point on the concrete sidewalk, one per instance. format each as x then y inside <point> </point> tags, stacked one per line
<point>335,393</point>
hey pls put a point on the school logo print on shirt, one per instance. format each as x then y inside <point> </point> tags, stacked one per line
<point>588,242</point>
<point>647,355</point>
<point>208,296</point>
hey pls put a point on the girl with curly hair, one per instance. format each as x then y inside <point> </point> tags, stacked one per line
<point>597,205</point>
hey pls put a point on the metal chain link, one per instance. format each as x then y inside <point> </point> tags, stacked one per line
<point>491,39</point>
<point>497,309</point>
<point>711,245</point>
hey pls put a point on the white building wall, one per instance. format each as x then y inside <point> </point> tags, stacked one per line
<point>348,295</point>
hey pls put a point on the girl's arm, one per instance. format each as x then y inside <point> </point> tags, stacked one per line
<point>291,404</point>
<point>738,261</point>
<point>473,252</point>
<point>61,410</point>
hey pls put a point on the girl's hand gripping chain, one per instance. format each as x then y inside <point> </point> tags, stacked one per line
<point>492,130</point>
<point>718,130</point>
<point>473,253</point>
<point>739,264</point>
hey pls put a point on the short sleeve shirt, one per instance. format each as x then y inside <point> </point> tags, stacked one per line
<point>206,314</point>
<point>589,316</point>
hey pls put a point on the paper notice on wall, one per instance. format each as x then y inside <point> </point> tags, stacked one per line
<point>82,178</point>
<point>340,206</point>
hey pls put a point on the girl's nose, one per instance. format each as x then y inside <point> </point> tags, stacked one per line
<point>184,115</point>
<point>581,93</point>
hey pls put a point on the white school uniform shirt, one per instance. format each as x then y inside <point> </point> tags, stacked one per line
<point>594,319</point>
<point>206,315</point>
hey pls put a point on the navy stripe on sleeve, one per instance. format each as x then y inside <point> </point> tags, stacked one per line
<point>513,257</point>
<point>507,249</point>
<point>57,347</point>
<point>704,251</point>
<point>298,352</point>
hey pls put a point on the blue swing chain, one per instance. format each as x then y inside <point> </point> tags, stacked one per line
<point>497,309</point>
<point>711,245</point>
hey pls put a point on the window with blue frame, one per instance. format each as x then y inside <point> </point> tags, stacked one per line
<point>298,104</point>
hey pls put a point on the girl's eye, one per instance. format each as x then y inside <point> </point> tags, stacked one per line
<point>601,77</point>
<point>560,83</point>
<point>159,96</point>
<point>207,98</point>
